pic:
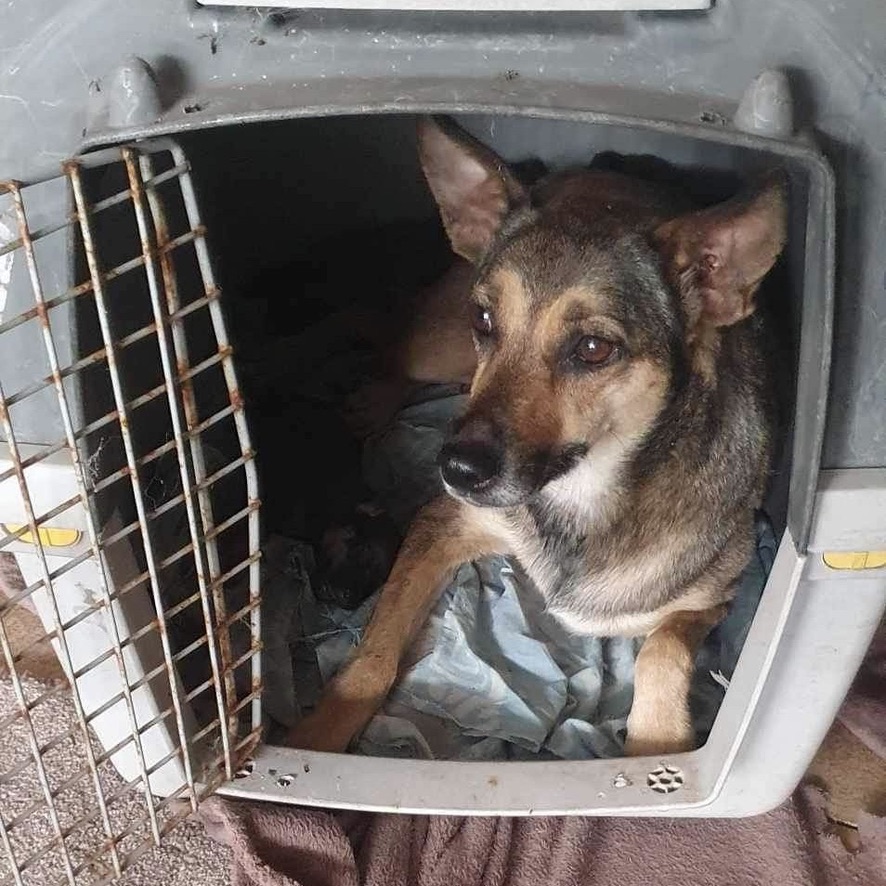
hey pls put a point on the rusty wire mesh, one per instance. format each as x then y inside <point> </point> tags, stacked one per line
<point>129,512</point>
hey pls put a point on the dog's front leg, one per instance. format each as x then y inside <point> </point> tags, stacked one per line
<point>444,535</point>
<point>660,721</point>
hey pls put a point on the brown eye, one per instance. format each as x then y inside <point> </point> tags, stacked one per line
<point>594,351</point>
<point>481,320</point>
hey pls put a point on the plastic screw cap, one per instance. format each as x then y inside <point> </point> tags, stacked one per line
<point>766,108</point>
<point>132,95</point>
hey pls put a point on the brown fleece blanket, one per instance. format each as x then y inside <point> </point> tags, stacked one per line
<point>792,846</point>
<point>796,845</point>
<point>864,710</point>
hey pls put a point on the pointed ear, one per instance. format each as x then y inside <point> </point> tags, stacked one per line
<point>717,257</point>
<point>472,185</point>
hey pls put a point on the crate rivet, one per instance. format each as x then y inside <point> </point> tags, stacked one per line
<point>245,770</point>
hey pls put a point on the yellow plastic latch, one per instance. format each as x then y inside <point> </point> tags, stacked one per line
<point>855,559</point>
<point>50,536</point>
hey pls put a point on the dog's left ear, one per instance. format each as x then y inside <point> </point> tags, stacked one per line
<point>472,185</point>
<point>717,257</point>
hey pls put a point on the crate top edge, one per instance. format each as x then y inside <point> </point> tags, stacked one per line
<point>799,148</point>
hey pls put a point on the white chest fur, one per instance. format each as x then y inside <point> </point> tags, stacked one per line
<point>582,500</point>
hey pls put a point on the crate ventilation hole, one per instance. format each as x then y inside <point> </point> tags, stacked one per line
<point>665,779</point>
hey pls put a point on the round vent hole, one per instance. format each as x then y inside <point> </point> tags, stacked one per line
<point>665,779</point>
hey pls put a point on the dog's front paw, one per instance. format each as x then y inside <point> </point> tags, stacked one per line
<point>316,733</point>
<point>658,736</point>
<point>346,706</point>
<point>658,746</point>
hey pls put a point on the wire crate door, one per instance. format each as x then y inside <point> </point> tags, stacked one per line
<point>128,518</point>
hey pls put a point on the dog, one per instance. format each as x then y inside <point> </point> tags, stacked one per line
<point>620,424</point>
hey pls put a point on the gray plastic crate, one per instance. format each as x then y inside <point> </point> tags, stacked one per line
<point>682,86</point>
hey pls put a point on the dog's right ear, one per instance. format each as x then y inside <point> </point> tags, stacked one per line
<point>471,184</point>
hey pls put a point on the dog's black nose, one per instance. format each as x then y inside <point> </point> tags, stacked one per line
<point>469,465</point>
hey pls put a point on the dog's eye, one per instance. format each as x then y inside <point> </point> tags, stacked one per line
<point>594,351</point>
<point>481,320</point>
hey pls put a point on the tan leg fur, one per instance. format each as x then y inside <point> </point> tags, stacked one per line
<point>660,721</point>
<point>440,539</point>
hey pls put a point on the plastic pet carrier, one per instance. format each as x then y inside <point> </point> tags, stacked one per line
<point>188,193</point>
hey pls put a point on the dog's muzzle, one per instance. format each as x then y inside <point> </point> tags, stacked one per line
<point>481,470</point>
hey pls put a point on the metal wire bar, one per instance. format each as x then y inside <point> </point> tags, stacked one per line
<point>214,360</point>
<point>66,567</point>
<point>210,588</point>
<point>240,614</point>
<point>251,739</point>
<point>235,665</point>
<point>54,742</point>
<point>248,699</point>
<point>94,160</point>
<point>73,170</point>
<point>9,719</point>
<point>82,288</point>
<point>169,504</point>
<point>10,854</point>
<point>10,537</point>
<point>123,791</point>
<point>216,531</point>
<point>84,613</point>
<point>198,736</point>
<point>146,677</point>
<point>12,443</point>
<point>253,528</point>
<point>144,576</point>
<point>163,448</point>
<point>42,775</point>
<point>31,520</point>
<point>135,635</point>
<point>246,745</point>
<point>38,856</point>
<point>92,533</point>
<point>35,459</point>
<point>92,359</point>
<point>98,206</point>
<point>100,355</point>
<point>112,417</point>
<point>138,198</point>
<point>162,715</point>
<point>135,854</point>
<point>189,405</point>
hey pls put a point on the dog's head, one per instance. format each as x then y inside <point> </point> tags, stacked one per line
<point>595,294</point>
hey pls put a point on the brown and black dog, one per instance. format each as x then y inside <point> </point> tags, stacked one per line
<point>620,424</point>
